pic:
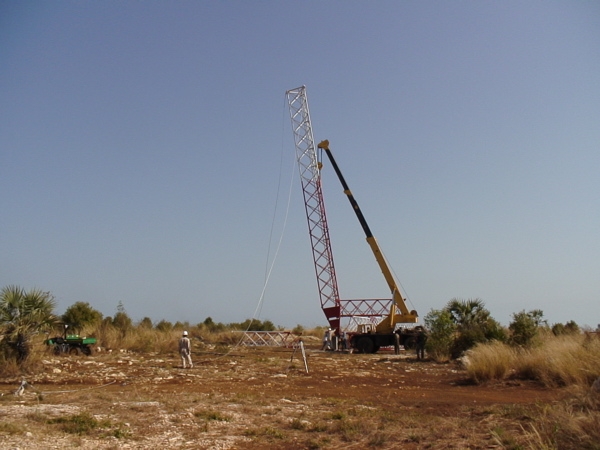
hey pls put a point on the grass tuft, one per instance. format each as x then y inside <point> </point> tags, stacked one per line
<point>492,361</point>
<point>82,423</point>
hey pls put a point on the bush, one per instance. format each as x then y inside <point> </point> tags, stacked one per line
<point>146,322</point>
<point>254,325</point>
<point>524,327</point>
<point>474,324</point>
<point>569,328</point>
<point>164,326</point>
<point>442,330</point>
<point>23,315</point>
<point>80,315</point>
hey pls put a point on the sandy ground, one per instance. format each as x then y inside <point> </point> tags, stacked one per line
<point>261,398</point>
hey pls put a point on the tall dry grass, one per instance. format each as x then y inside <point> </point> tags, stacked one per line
<point>490,361</point>
<point>570,361</point>
<point>572,423</point>
<point>563,360</point>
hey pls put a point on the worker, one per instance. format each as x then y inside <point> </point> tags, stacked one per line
<point>185,351</point>
<point>344,340</point>
<point>397,342</point>
<point>327,340</point>
<point>421,340</point>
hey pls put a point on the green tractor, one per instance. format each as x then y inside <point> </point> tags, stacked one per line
<point>71,344</point>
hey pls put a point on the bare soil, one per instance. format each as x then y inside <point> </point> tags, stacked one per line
<point>262,398</point>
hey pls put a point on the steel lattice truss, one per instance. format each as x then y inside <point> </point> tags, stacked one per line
<point>366,307</point>
<point>267,339</point>
<point>371,310</point>
<point>310,178</point>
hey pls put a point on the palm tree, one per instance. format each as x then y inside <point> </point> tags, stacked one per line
<point>474,324</point>
<point>468,313</point>
<point>22,316</point>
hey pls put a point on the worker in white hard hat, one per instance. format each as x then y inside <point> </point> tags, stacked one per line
<point>185,351</point>
<point>327,340</point>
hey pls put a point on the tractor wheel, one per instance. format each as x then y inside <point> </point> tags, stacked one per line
<point>56,350</point>
<point>74,351</point>
<point>87,351</point>
<point>365,345</point>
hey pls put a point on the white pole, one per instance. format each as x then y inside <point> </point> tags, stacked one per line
<point>304,356</point>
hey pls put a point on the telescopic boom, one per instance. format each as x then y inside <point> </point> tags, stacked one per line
<point>399,312</point>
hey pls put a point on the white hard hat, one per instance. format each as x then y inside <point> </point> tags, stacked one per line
<point>185,333</point>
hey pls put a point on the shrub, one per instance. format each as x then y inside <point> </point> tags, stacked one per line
<point>441,334</point>
<point>525,326</point>
<point>80,315</point>
<point>23,315</point>
<point>569,328</point>
<point>146,322</point>
<point>474,324</point>
<point>164,326</point>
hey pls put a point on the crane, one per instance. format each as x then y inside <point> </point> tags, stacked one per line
<point>373,333</point>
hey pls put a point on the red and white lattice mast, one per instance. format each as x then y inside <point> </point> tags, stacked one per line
<point>309,165</point>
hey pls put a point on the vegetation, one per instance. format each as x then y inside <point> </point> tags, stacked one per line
<point>568,328</point>
<point>570,360</point>
<point>26,318</point>
<point>23,315</point>
<point>525,326</point>
<point>81,315</point>
<point>527,351</point>
<point>442,331</point>
<point>460,326</point>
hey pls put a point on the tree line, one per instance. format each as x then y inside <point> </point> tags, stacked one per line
<point>452,330</point>
<point>27,314</point>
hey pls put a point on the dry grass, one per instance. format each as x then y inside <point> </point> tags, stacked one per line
<point>562,360</point>
<point>332,422</point>
<point>233,414</point>
<point>493,361</point>
<point>573,423</point>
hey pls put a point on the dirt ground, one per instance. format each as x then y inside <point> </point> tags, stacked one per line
<point>261,398</point>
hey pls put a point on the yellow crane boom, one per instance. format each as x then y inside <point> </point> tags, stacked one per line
<point>399,312</point>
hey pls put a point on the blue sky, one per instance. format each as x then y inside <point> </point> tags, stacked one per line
<point>146,155</point>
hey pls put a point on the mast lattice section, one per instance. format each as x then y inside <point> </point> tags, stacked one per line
<point>310,178</point>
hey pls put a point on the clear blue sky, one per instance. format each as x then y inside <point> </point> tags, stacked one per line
<point>146,154</point>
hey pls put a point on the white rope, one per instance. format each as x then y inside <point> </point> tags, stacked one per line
<point>269,269</point>
<point>25,385</point>
<point>79,390</point>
